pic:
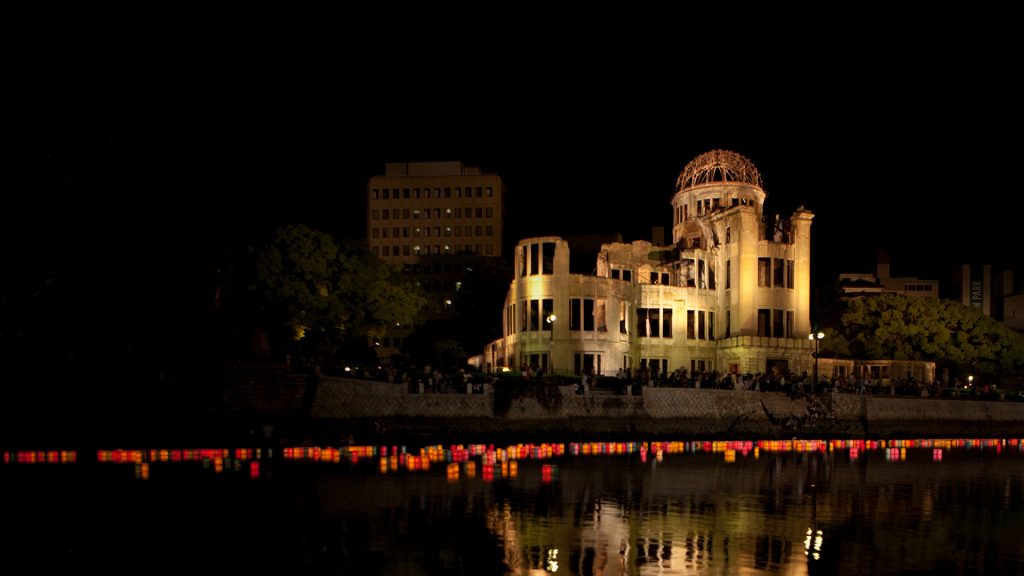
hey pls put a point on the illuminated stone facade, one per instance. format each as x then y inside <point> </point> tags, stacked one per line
<point>730,294</point>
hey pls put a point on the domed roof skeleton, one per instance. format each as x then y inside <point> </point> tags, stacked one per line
<point>719,166</point>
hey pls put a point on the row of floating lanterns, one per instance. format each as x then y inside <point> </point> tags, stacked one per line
<point>41,457</point>
<point>392,458</point>
<point>492,472</point>
<point>434,453</point>
<point>488,472</point>
<point>217,459</point>
<point>219,465</point>
<point>186,455</point>
<point>502,462</point>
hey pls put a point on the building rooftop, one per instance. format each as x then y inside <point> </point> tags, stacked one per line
<point>453,168</point>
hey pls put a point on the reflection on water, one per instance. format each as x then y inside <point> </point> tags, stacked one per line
<point>828,507</point>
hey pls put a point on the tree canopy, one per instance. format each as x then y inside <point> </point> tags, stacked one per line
<point>953,335</point>
<point>323,295</point>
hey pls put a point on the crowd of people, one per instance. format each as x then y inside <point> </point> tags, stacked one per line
<point>431,380</point>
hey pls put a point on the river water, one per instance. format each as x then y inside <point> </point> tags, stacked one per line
<point>808,507</point>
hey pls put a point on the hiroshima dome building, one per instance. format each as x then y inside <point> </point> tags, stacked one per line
<point>730,294</point>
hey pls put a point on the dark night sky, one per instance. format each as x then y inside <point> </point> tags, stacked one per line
<point>913,149</point>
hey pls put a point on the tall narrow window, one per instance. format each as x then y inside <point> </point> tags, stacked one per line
<point>780,272</point>
<point>789,274</point>
<point>777,325</point>
<point>534,259</point>
<point>687,277</point>
<point>623,315</point>
<point>711,325</point>
<point>574,313</point>
<point>588,315</point>
<point>701,325</point>
<point>600,313</point>
<point>728,274</point>
<point>666,323</point>
<point>549,258</point>
<point>534,315</point>
<point>641,321</point>
<point>789,324</point>
<point>654,317</point>
<point>691,327</point>
<point>764,272</point>
<point>764,322</point>
<point>728,323</point>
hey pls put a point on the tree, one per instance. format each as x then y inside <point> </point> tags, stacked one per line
<point>323,297</point>
<point>473,320</point>
<point>943,331</point>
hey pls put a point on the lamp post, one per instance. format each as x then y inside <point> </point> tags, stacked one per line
<point>551,342</point>
<point>816,338</point>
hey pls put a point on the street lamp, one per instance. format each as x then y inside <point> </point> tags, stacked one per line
<point>816,338</point>
<point>551,341</point>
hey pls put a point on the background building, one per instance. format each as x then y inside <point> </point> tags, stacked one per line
<point>1013,311</point>
<point>883,282</point>
<point>435,219</point>
<point>979,286</point>
<point>730,294</point>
